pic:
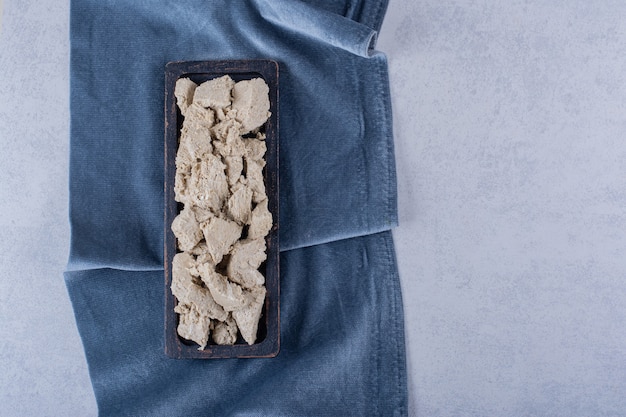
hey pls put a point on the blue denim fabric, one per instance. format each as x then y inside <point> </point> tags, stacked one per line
<point>342,327</point>
<point>342,345</point>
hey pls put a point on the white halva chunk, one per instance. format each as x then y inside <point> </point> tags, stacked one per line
<point>214,93</point>
<point>181,184</point>
<point>183,91</point>
<point>245,259</point>
<point>260,221</point>
<point>186,229</point>
<point>249,278</point>
<point>254,178</point>
<point>192,325</point>
<point>195,140</point>
<point>251,102</point>
<point>199,116</point>
<point>187,289</point>
<point>208,185</point>
<point>229,142</point>
<point>195,304</point>
<point>248,316</point>
<point>220,235</point>
<point>255,148</point>
<point>184,159</point>
<point>234,167</point>
<point>227,294</point>
<point>225,332</point>
<point>240,204</point>
<point>202,215</point>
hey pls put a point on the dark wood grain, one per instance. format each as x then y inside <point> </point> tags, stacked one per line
<point>268,336</point>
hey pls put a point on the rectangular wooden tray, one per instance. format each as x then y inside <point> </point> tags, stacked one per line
<point>268,336</point>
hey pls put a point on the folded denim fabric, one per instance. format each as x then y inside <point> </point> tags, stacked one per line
<point>342,326</point>
<point>366,12</point>
<point>337,169</point>
<point>342,350</point>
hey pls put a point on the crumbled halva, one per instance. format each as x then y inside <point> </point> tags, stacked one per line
<point>225,332</point>
<point>222,227</point>
<point>181,190</point>
<point>226,293</point>
<point>256,148</point>
<point>198,116</point>
<point>187,289</point>
<point>192,325</point>
<point>202,215</point>
<point>184,159</point>
<point>248,278</point>
<point>230,142</point>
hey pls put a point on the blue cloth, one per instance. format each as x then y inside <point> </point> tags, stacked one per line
<point>342,337</point>
<point>342,350</point>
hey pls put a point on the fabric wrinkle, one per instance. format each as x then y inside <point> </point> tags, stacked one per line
<point>306,20</point>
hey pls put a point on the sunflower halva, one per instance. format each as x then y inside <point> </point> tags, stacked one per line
<point>222,227</point>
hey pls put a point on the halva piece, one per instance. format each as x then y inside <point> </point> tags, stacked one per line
<point>214,93</point>
<point>245,259</point>
<point>225,332</point>
<point>220,235</point>
<point>192,325</point>
<point>260,221</point>
<point>252,103</point>
<point>247,317</point>
<point>184,93</point>
<point>208,186</point>
<point>226,293</point>
<point>188,289</point>
<point>240,204</point>
<point>186,229</point>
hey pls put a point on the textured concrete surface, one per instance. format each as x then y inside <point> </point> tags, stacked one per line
<point>43,366</point>
<point>510,123</point>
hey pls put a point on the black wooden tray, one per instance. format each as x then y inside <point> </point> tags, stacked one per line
<point>268,336</point>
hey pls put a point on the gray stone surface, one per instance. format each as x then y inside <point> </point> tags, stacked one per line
<point>44,372</point>
<point>510,122</point>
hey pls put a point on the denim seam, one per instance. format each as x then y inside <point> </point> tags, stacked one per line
<point>383,109</point>
<point>377,358</point>
<point>361,167</point>
<point>392,194</point>
<point>390,284</point>
<point>397,311</point>
<point>385,134</point>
